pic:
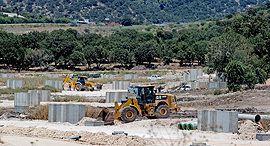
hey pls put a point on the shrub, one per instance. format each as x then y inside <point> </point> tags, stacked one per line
<point>218,92</point>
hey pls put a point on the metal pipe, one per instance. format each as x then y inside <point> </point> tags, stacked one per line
<point>192,126</point>
<point>184,125</point>
<point>256,118</point>
<point>265,117</point>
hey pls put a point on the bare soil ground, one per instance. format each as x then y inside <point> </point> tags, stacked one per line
<point>145,131</point>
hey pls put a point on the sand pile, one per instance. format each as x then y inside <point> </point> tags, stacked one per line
<point>82,121</point>
<point>99,138</point>
<point>248,130</point>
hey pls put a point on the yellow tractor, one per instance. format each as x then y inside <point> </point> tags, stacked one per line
<point>147,103</point>
<point>82,83</point>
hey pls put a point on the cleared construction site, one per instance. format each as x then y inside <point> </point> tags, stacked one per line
<point>184,107</point>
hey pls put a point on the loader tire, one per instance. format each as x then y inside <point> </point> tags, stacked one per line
<point>163,111</point>
<point>78,87</point>
<point>87,89</point>
<point>128,114</point>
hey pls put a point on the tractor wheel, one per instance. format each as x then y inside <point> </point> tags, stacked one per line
<point>87,89</point>
<point>163,111</point>
<point>78,87</point>
<point>92,89</point>
<point>128,114</point>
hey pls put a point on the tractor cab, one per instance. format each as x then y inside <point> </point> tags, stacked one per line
<point>145,94</point>
<point>82,79</point>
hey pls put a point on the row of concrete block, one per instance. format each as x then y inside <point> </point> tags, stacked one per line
<point>71,113</point>
<point>52,75</point>
<point>130,76</point>
<point>14,84</point>
<point>211,85</point>
<point>111,97</point>
<point>56,84</point>
<point>104,76</point>
<point>33,97</point>
<point>8,75</point>
<point>218,121</point>
<point>120,85</point>
<point>193,74</point>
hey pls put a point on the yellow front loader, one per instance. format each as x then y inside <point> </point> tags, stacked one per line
<point>82,83</point>
<point>147,103</point>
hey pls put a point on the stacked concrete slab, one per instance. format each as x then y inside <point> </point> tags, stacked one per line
<point>211,85</point>
<point>52,75</point>
<point>193,74</point>
<point>14,84</point>
<point>111,97</point>
<point>219,121</point>
<point>198,85</point>
<point>186,77</point>
<point>120,85</point>
<point>103,76</point>
<point>130,76</point>
<point>71,113</point>
<point>8,75</point>
<point>55,84</point>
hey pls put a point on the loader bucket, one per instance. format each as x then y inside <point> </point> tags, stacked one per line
<point>107,116</point>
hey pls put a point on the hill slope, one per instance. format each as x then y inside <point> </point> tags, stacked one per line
<point>156,11</point>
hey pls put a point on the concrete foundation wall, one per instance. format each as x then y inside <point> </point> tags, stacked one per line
<point>211,85</point>
<point>52,75</point>
<point>8,75</point>
<point>120,85</point>
<point>45,95</point>
<point>219,121</point>
<point>21,99</point>
<point>130,76</point>
<point>55,84</point>
<point>14,84</point>
<point>71,113</point>
<point>111,97</point>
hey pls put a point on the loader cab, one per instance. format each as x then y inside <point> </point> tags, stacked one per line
<point>145,94</point>
<point>82,79</point>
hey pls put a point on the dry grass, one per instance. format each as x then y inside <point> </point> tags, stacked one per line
<point>73,98</point>
<point>40,112</point>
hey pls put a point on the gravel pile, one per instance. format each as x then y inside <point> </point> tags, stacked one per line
<point>248,130</point>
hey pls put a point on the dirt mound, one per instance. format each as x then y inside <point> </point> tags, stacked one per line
<point>82,121</point>
<point>248,129</point>
<point>99,138</point>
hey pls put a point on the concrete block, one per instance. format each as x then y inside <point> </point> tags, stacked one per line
<point>186,77</point>
<point>219,121</point>
<point>34,97</point>
<point>52,75</point>
<point>198,144</point>
<point>14,84</point>
<point>8,75</point>
<point>211,85</point>
<point>111,97</point>
<point>199,72</point>
<point>22,99</point>
<point>130,76</point>
<point>55,84</point>
<point>104,76</point>
<point>71,113</point>
<point>45,95</point>
<point>262,136</point>
<point>121,85</point>
<point>94,123</point>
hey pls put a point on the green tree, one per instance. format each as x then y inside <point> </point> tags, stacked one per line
<point>235,74</point>
<point>261,75</point>
<point>126,21</point>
